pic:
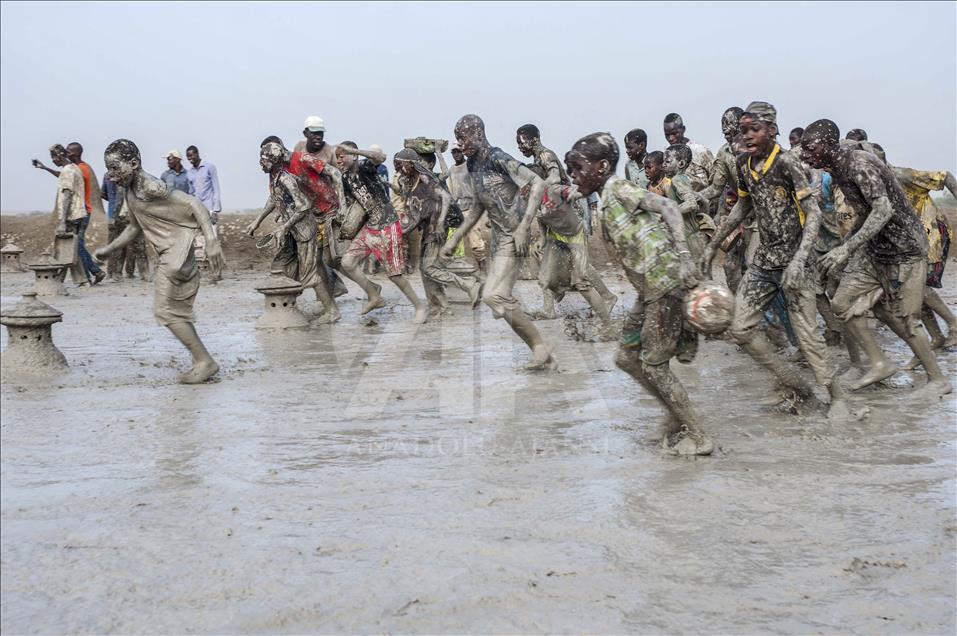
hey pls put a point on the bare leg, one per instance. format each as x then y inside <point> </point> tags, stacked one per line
<point>597,303</point>
<point>933,300</point>
<point>523,326</point>
<point>421,309</point>
<point>204,367</point>
<point>933,329</point>
<point>919,344</point>
<point>351,267</point>
<point>880,368</point>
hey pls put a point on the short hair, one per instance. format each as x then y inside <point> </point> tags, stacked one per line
<point>275,151</point>
<point>797,131</point>
<point>655,156</point>
<point>598,146</point>
<point>125,149</point>
<point>529,130</point>
<point>879,151</point>
<point>674,118</point>
<point>734,112</point>
<point>857,134</point>
<point>273,139</point>
<point>78,145</point>
<point>468,123</point>
<point>823,130</point>
<point>351,144</point>
<point>636,135</point>
<point>193,148</point>
<point>682,151</point>
<point>57,149</point>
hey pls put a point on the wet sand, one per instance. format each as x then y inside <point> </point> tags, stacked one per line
<point>394,478</point>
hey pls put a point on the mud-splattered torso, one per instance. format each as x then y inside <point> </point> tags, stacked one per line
<point>642,241</point>
<point>363,186</point>
<point>287,194</point>
<point>775,187</point>
<point>497,178</point>
<point>864,178</point>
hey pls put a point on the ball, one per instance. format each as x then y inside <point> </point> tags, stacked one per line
<point>709,307</point>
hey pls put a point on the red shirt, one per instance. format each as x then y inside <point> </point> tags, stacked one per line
<point>309,169</point>
<point>87,189</point>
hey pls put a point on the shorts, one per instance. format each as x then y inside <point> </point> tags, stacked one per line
<point>503,270</point>
<point>564,263</point>
<point>385,245</point>
<point>175,288</point>
<point>658,328</point>
<point>898,286</point>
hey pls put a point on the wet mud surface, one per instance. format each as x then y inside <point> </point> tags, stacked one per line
<point>378,476</point>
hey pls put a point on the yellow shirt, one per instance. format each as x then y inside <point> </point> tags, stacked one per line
<point>917,185</point>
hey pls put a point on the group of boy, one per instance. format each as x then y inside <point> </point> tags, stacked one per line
<point>658,220</point>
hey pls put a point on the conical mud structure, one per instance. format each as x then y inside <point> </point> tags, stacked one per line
<point>281,311</point>
<point>10,254</point>
<point>49,273</point>
<point>30,347</point>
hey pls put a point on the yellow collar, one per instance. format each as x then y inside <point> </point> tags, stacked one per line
<point>767,163</point>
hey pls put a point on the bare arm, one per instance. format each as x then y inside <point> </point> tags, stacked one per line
<point>125,238</point>
<point>66,209</point>
<point>719,179</point>
<point>445,201</point>
<point>214,251</point>
<point>443,167</point>
<point>372,155</point>
<point>472,217</point>
<point>951,184</point>
<point>266,211</point>
<point>39,164</point>
<point>733,219</point>
<point>336,175</point>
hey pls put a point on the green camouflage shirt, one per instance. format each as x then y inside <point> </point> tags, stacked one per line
<point>641,239</point>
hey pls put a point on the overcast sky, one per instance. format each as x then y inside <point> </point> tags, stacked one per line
<point>224,75</point>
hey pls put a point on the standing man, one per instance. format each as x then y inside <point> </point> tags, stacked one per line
<point>497,179</point>
<point>701,158</point>
<point>204,185</point>
<point>70,211</point>
<point>169,220</point>
<point>886,256</point>
<point>176,177</point>
<point>314,131</point>
<point>636,147</point>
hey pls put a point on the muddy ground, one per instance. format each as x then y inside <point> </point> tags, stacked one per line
<point>377,476</point>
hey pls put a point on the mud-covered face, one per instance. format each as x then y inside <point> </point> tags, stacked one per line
<point>758,136</point>
<point>120,171</point>
<point>672,165</point>
<point>345,160</point>
<point>635,149</point>
<point>59,159</point>
<point>469,140</point>
<point>458,157</point>
<point>405,168</point>
<point>526,145</point>
<point>314,140</point>
<point>589,176</point>
<point>729,126</point>
<point>816,152</point>
<point>653,170</point>
<point>794,139</point>
<point>266,162</point>
<point>674,133</point>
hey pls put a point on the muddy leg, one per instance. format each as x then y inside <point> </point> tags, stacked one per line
<point>421,310</point>
<point>933,301</point>
<point>351,267</point>
<point>936,381</point>
<point>204,367</point>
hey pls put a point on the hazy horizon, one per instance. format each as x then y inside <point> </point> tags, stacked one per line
<point>223,76</point>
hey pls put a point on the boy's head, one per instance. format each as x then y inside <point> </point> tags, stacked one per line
<point>470,134</point>
<point>677,159</point>
<point>271,138</point>
<point>527,137</point>
<point>820,143</point>
<point>273,156</point>
<point>857,134</point>
<point>74,150</point>
<point>730,123</point>
<point>58,155</point>
<point>592,161</point>
<point>794,137</point>
<point>674,128</point>
<point>404,162</point>
<point>122,159</point>
<point>458,156</point>
<point>653,163</point>
<point>636,143</point>
<point>759,128</point>
<point>344,159</point>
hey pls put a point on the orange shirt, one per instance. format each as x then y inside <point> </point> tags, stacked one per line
<point>87,187</point>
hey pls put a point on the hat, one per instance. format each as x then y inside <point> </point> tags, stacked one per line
<point>377,148</point>
<point>314,124</point>
<point>173,153</point>
<point>763,111</point>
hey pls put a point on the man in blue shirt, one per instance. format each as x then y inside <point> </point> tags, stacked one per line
<point>176,178</point>
<point>204,185</point>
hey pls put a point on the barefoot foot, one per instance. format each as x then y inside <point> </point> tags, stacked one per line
<point>880,371</point>
<point>200,372</point>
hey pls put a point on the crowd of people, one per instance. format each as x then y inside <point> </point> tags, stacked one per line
<point>827,227</point>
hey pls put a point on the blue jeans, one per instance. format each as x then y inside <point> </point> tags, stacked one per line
<point>78,227</point>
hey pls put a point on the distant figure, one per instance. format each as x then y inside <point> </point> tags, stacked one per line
<point>636,147</point>
<point>204,185</point>
<point>132,256</point>
<point>794,137</point>
<point>176,177</point>
<point>702,161</point>
<point>856,134</point>
<point>70,211</point>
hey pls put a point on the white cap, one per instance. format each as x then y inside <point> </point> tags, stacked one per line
<point>173,153</point>
<point>377,148</point>
<point>314,124</point>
